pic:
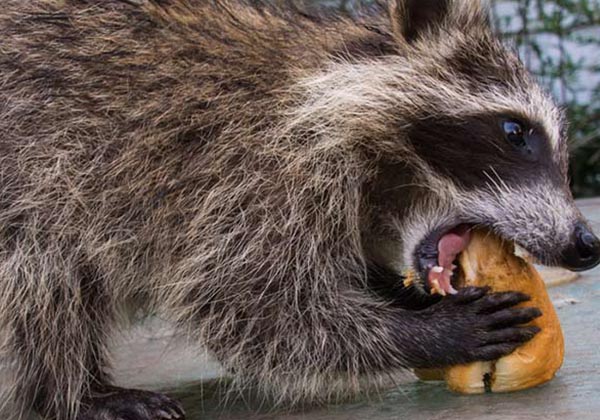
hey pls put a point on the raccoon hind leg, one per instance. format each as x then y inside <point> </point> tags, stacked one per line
<point>56,345</point>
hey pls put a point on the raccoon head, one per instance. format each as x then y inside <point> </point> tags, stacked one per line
<point>489,145</point>
<point>463,137</point>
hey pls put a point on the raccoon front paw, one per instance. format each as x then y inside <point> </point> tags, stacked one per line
<point>114,403</point>
<point>475,325</point>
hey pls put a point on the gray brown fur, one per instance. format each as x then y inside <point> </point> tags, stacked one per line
<point>232,168</point>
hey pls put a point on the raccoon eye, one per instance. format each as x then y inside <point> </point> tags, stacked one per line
<point>514,133</point>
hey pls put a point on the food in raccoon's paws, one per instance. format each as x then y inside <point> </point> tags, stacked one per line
<point>488,261</point>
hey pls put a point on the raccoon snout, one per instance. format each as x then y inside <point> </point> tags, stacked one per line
<point>583,251</point>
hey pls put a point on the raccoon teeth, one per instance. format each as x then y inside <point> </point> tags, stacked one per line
<point>452,290</point>
<point>435,288</point>
<point>523,253</point>
<point>437,269</point>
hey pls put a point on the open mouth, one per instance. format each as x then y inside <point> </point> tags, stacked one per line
<point>437,258</point>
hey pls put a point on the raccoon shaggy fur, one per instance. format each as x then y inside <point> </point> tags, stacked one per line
<point>263,178</point>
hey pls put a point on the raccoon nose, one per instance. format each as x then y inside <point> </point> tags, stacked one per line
<point>584,251</point>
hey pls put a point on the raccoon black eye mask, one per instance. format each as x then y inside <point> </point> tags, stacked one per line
<point>464,148</point>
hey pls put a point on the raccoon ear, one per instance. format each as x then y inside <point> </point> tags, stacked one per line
<point>414,19</point>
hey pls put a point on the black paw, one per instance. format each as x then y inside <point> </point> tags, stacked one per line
<point>130,404</point>
<point>475,325</point>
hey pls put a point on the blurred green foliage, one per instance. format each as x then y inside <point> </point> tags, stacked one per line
<point>559,40</point>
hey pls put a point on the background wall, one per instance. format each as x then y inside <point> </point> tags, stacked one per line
<point>559,40</point>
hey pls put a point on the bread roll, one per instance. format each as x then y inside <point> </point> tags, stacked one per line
<point>488,261</point>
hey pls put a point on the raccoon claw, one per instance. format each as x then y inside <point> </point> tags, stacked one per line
<point>501,300</point>
<point>503,342</point>
<point>496,351</point>
<point>512,335</point>
<point>130,404</point>
<point>475,325</point>
<point>469,294</point>
<point>510,317</point>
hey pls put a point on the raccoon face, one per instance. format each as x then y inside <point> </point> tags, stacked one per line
<point>461,135</point>
<point>484,145</point>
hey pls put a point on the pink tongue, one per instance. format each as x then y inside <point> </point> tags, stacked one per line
<point>449,246</point>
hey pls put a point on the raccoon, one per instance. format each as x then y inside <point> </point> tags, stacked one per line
<point>264,178</point>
